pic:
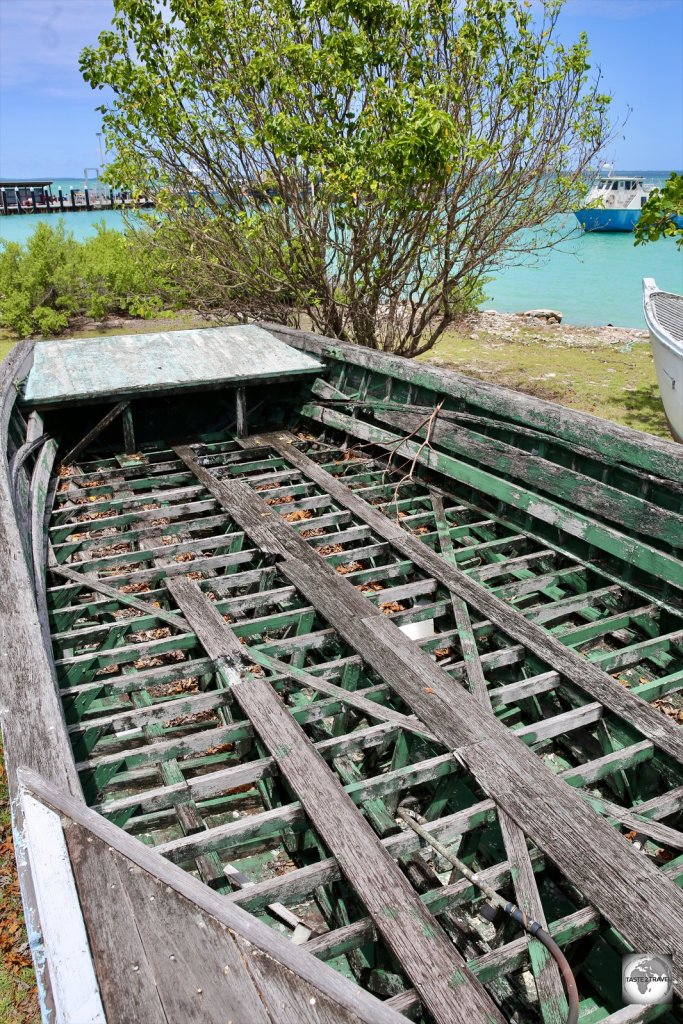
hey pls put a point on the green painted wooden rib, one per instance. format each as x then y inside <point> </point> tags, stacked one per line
<point>615,444</point>
<point>627,549</point>
<point>607,502</point>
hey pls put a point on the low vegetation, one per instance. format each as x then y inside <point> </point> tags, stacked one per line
<point>662,215</point>
<point>52,278</point>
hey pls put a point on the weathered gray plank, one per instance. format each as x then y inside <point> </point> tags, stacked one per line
<point>117,948</point>
<point>304,973</point>
<point>41,742</point>
<point>551,995</point>
<point>92,582</point>
<point>640,902</point>
<point>645,719</point>
<point>436,969</point>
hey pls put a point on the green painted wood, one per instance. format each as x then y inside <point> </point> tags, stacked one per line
<point>628,510</point>
<point>551,995</point>
<point>435,967</point>
<point>578,670</point>
<point>128,365</point>
<point>591,531</point>
<point>615,444</point>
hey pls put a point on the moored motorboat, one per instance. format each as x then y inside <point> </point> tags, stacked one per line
<point>614,203</point>
<point>664,317</point>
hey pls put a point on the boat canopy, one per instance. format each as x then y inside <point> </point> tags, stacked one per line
<point>127,365</point>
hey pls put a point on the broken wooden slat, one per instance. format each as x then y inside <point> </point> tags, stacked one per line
<point>108,418</point>
<point>434,966</point>
<point>582,674</point>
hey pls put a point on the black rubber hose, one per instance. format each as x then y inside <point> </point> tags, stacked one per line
<point>535,929</point>
<point>489,911</point>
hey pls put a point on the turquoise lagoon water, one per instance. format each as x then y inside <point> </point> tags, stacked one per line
<point>593,279</point>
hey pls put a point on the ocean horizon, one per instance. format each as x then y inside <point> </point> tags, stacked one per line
<point>592,279</point>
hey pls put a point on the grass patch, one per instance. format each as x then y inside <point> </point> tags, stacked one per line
<point>18,993</point>
<point>6,344</point>
<point>616,382</point>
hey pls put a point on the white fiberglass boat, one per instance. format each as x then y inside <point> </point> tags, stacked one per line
<point>614,203</point>
<point>664,317</point>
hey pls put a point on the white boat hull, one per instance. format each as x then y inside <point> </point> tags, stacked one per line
<point>667,351</point>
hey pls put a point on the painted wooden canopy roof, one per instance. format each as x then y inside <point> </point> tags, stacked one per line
<point>126,365</point>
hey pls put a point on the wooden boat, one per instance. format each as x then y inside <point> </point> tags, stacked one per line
<point>290,628</point>
<point>664,318</point>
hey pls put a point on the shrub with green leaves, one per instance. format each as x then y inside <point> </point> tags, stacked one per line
<point>53,278</point>
<point>662,215</point>
<point>365,162</point>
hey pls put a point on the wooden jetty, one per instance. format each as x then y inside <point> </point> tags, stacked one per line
<point>36,196</point>
<point>304,644</point>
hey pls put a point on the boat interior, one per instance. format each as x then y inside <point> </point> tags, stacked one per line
<point>271,606</point>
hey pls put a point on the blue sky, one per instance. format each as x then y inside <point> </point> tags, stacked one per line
<point>48,124</point>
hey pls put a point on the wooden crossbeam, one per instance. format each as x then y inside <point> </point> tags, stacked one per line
<point>68,513</point>
<point>105,490</point>
<point>552,999</point>
<point>92,582</point>
<point>59,533</point>
<point>628,510</point>
<point>222,780</point>
<point>201,544</point>
<point>351,698</point>
<point>629,549</point>
<point>84,542</point>
<point>586,676</point>
<point>434,966</point>
<point>640,902</point>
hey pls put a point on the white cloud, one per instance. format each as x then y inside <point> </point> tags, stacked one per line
<point>40,41</point>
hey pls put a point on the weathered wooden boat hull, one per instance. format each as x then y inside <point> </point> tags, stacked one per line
<point>245,634</point>
<point>667,352</point>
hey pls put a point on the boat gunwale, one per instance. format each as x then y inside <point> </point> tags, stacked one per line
<point>44,787</point>
<point>511,407</point>
<point>654,324</point>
